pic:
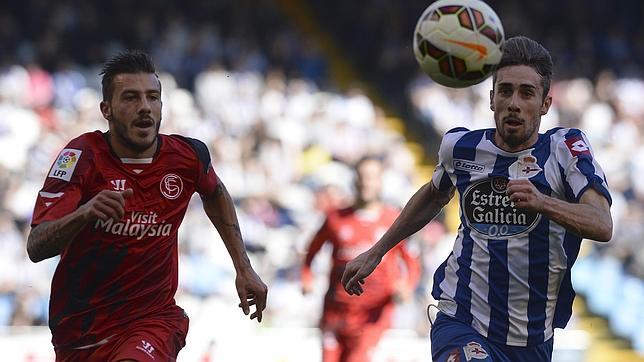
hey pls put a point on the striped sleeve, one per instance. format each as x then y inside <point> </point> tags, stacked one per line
<point>580,170</point>
<point>443,177</point>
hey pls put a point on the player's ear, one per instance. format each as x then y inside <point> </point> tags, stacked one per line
<point>106,110</point>
<point>546,105</point>
<point>492,100</point>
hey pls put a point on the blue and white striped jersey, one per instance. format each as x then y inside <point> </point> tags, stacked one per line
<point>508,274</point>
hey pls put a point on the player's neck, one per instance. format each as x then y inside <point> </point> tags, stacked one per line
<point>122,150</point>
<point>374,205</point>
<point>500,143</point>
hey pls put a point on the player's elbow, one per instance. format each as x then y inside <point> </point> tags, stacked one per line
<point>33,256</point>
<point>604,231</point>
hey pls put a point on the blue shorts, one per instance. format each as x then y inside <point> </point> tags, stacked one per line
<point>453,340</point>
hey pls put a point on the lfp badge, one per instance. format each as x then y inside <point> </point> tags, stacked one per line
<point>65,164</point>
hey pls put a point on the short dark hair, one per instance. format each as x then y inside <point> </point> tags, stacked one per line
<point>131,61</point>
<point>367,158</point>
<point>521,50</point>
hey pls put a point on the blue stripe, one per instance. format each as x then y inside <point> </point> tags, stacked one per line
<point>499,280</point>
<point>457,129</point>
<point>570,195</point>
<point>563,310</point>
<point>538,253</point>
<point>439,276</point>
<point>445,181</point>
<point>463,296</point>
<point>465,149</point>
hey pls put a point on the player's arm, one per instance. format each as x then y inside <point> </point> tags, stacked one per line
<point>413,269</point>
<point>49,238</point>
<point>220,210</point>
<point>590,218</point>
<point>426,203</point>
<point>314,247</point>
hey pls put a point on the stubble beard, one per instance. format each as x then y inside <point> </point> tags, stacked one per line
<point>121,132</point>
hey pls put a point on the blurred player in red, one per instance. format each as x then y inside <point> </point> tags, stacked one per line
<point>351,327</point>
<point>111,207</point>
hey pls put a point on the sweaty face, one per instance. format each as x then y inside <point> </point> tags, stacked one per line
<point>518,104</point>
<point>134,114</point>
<point>369,181</point>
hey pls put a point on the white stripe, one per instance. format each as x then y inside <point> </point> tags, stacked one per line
<point>99,343</point>
<point>557,268</point>
<point>519,290</point>
<point>51,195</point>
<point>136,160</point>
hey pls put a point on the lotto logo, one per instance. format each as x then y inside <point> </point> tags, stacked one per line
<point>578,146</point>
<point>468,166</point>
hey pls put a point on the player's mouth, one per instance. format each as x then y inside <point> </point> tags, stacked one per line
<point>144,124</point>
<point>512,121</point>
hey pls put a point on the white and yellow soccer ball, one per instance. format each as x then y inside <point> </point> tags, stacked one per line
<point>458,43</point>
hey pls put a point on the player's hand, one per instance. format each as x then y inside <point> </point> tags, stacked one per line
<point>105,205</point>
<point>524,195</point>
<point>306,280</point>
<point>251,291</point>
<point>357,270</point>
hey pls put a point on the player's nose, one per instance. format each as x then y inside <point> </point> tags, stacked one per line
<point>513,104</point>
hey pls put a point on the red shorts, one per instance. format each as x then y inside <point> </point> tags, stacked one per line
<point>351,335</point>
<point>156,338</point>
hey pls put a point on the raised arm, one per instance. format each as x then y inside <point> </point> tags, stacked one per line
<point>426,203</point>
<point>49,238</point>
<point>590,218</point>
<point>221,211</point>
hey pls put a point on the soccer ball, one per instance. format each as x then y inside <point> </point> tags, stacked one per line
<point>458,43</point>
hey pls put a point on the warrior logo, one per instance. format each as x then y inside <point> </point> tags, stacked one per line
<point>489,211</point>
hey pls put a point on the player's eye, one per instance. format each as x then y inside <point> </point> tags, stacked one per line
<point>528,93</point>
<point>505,91</point>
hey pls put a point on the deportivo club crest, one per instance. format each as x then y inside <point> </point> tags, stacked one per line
<point>489,211</point>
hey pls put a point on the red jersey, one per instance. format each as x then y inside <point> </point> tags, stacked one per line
<point>114,272</point>
<point>351,232</point>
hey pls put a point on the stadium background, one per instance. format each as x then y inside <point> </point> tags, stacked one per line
<point>286,94</point>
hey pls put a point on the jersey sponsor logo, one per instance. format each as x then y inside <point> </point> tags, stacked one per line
<point>140,224</point>
<point>65,164</point>
<point>171,186</point>
<point>118,185</point>
<point>489,211</point>
<point>578,146</point>
<point>468,166</point>
<point>474,350</point>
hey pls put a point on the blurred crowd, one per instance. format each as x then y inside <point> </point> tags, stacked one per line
<point>584,36</point>
<point>237,76</point>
